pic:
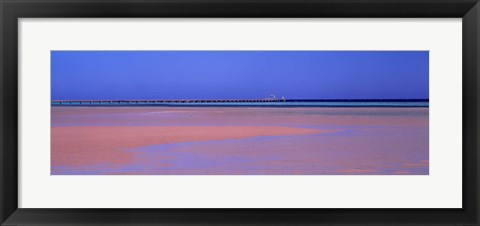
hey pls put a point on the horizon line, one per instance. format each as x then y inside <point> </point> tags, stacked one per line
<point>248,99</point>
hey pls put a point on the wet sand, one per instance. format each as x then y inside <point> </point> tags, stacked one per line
<point>75,146</point>
<point>230,141</point>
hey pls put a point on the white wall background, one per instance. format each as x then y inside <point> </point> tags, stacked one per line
<point>441,189</point>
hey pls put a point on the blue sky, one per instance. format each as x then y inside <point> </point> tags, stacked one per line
<point>103,75</point>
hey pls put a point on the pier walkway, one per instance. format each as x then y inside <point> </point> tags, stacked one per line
<point>133,102</point>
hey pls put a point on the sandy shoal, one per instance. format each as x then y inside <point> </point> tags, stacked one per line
<point>86,145</point>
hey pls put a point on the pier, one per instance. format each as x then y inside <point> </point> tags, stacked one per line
<point>248,102</point>
<point>157,102</point>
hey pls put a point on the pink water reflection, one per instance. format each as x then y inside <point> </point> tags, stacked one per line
<point>246,141</point>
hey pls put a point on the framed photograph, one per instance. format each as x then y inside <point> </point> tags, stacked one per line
<point>239,112</point>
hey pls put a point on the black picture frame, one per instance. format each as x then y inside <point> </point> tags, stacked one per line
<point>12,10</point>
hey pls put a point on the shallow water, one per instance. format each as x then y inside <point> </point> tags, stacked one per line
<point>239,140</point>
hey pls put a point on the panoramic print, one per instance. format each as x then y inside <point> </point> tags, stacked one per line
<point>239,112</point>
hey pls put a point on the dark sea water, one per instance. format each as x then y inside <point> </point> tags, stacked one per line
<point>256,103</point>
